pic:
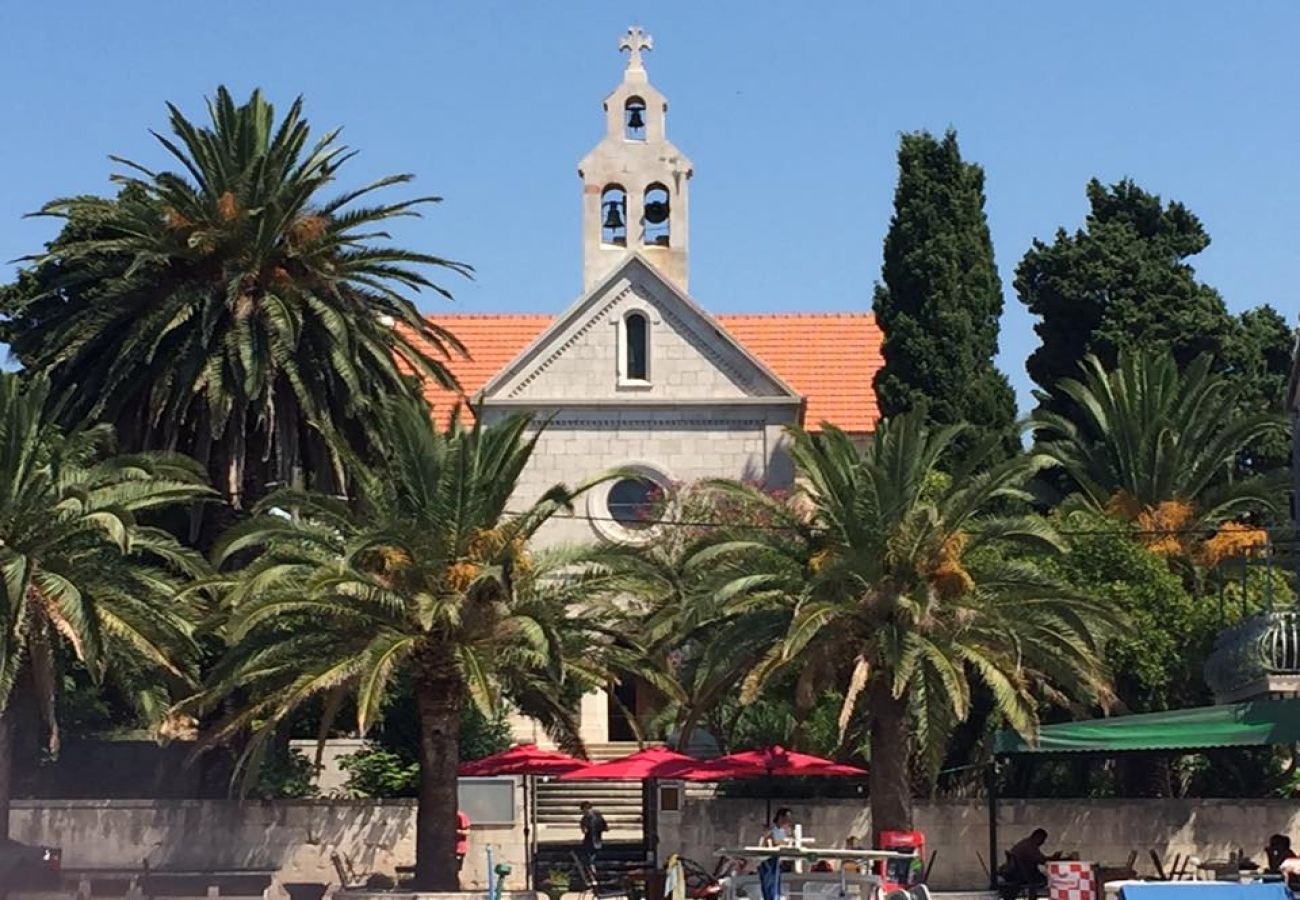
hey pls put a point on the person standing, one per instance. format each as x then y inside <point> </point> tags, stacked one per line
<point>462,838</point>
<point>851,866</point>
<point>593,828</point>
<point>779,833</point>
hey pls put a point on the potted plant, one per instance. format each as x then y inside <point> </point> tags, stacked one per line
<point>556,884</point>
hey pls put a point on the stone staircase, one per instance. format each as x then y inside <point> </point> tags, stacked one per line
<point>618,801</point>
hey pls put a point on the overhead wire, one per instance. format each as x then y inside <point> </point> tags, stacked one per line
<point>1287,533</point>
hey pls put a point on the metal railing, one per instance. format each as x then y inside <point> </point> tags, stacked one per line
<point>1267,643</point>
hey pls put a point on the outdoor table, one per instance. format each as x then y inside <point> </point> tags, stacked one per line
<point>809,885</point>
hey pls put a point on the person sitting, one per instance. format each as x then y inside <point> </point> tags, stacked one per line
<point>1277,851</point>
<point>1282,860</point>
<point>1024,861</point>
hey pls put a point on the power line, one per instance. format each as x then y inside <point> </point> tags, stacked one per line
<point>1287,532</point>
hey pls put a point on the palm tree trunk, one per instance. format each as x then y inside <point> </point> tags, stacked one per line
<point>889,777</point>
<point>6,769</point>
<point>438,700</point>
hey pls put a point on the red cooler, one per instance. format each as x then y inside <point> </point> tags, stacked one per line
<point>901,874</point>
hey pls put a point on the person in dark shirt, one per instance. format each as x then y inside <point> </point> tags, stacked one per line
<point>1025,858</point>
<point>593,828</point>
<point>1277,850</point>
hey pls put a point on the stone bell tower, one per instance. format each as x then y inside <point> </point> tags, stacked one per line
<point>634,181</point>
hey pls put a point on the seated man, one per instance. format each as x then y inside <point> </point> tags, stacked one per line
<point>1282,860</point>
<point>1024,861</point>
<point>1278,850</point>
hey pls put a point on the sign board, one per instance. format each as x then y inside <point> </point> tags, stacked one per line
<point>487,801</point>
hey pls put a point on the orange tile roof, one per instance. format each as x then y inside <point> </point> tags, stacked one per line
<point>829,359</point>
<point>491,341</point>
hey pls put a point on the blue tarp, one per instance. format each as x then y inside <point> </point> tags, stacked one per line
<point>1205,890</point>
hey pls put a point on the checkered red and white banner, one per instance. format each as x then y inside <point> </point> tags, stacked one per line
<point>1070,881</point>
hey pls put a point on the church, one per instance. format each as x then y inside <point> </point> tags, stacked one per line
<point>636,374</point>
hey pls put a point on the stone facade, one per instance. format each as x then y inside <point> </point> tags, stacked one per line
<point>706,408</point>
<point>636,376</point>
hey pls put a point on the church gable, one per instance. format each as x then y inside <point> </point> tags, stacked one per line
<point>635,337</point>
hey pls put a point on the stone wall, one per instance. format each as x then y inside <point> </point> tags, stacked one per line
<point>1104,831</point>
<point>294,838</point>
<point>331,777</point>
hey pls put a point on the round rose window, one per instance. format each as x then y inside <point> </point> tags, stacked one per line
<point>633,502</point>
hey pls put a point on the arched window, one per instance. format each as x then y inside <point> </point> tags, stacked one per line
<point>636,345</point>
<point>613,215</point>
<point>656,216</point>
<point>634,119</point>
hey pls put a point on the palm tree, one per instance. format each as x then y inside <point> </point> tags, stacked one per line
<point>670,604</point>
<point>425,573</point>
<point>910,587</point>
<point>1158,447</point>
<point>80,573</point>
<point>229,310</point>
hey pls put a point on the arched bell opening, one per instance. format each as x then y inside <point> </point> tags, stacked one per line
<point>657,213</point>
<point>613,216</point>
<point>634,119</point>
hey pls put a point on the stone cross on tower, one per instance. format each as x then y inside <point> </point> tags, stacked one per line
<point>634,182</point>
<point>634,42</point>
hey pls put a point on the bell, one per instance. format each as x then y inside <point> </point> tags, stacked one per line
<point>634,120</point>
<point>656,212</point>
<point>613,215</point>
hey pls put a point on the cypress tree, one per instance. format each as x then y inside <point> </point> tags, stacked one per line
<point>940,297</point>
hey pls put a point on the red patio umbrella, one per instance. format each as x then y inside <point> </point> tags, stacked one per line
<point>526,760</point>
<point>770,762</point>
<point>652,762</point>
<point>766,762</point>
<point>522,759</point>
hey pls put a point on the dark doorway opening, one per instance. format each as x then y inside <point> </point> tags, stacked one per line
<point>622,703</point>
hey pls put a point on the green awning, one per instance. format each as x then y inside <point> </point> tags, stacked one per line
<point>1257,723</point>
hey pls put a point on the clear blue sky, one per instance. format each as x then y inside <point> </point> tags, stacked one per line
<point>791,113</point>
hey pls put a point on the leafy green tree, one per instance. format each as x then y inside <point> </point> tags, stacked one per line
<point>1125,282</point>
<point>1156,661</point>
<point>941,298</point>
<point>1152,451</point>
<point>665,606</point>
<point>1121,281</point>
<point>1157,447</point>
<point>230,310</point>
<point>82,573</point>
<point>1259,361</point>
<point>390,764</point>
<point>918,590</point>
<point>425,575</point>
